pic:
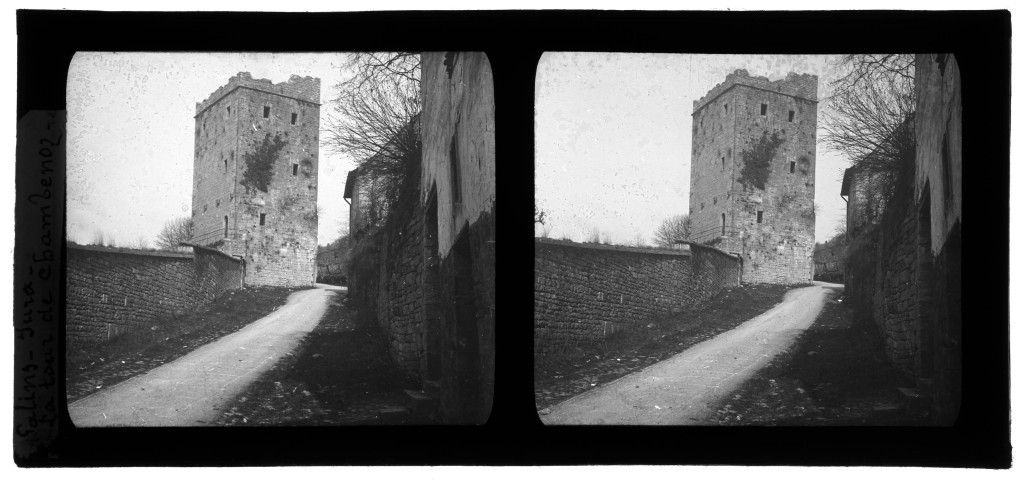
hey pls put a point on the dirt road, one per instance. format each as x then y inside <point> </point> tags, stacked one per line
<point>680,389</point>
<point>192,389</point>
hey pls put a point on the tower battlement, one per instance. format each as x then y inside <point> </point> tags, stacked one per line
<point>296,87</point>
<point>803,86</point>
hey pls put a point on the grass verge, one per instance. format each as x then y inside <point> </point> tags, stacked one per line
<point>93,367</point>
<point>565,375</point>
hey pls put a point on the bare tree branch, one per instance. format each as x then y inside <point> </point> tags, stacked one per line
<point>678,227</point>
<point>173,233</point>
<point>871,118</point>
<point>375,119</point>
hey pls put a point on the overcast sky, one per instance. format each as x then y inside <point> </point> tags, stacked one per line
<point>131,136</point>
<point>614,138</point>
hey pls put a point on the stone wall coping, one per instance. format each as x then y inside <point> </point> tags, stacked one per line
<point>131,251</point>
<point>792,85</point>
<point>615,248</point>
<point>707,247</point>
<point>213,251</point>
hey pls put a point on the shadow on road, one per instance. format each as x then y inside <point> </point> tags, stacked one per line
<point>341,374</point>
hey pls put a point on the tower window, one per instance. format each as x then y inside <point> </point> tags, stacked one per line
<point>945,162</point>
<point>294,169</point>
<point>225,226</point>
<point>791,115</point>
<point>721,163</point>
<point>763,109</point>
<point>294,118</point>
<point>455,174</point>
<point>225,164</point>
<point>759,216</point>
<point>725,108</point>
<point>228,111</point>
<point>723,224</point>
<point>266,111</point>
<point>791,166</point>
<point>262,219</point>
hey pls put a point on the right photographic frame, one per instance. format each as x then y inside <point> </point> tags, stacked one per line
<point>748,239</point>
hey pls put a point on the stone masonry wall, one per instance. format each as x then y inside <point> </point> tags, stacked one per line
<point>330,266</point>
<point>585,292</point>
<point>830,261</point>
<point>113,291</point>
<point>276,230</point>
<point>772,227</point>
<point>896,272</point>
<point>881,278</point>
<point>400,300</point>
<point>385,278</point>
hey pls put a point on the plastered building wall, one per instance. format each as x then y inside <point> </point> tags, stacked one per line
<point>275,231</point>
<point>765,216</point>
<point>458,112</point>
<point>939,142</point>
<point>458,195</point>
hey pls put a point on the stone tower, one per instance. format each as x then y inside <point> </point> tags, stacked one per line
<point>754,173</point>
<point>255,178</point>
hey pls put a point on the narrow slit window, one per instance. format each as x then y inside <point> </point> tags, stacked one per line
<point>723,223</point>
<point>759,216</point>
<point>791,166</point>
<point>455,174</point>
<point>262,219</point>
<point>266,112</point>
<point>763,109</point>
<point>294,118</point>
<point>225,226</point>
<point>225,164</point>
<point>721,163</point>
<point>791,116</point>
<point>945,163</point>
<point>228,111</point>
<point>294,169</point>
<point>725,108</point>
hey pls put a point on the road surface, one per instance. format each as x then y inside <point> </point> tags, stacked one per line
<point>192,389</point>
<point>681,389</point>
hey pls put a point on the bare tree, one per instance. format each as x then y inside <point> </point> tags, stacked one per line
<point>871,117</point>
<point>678,227</point>
<point>376,115</point>
<point>538,215</point>
<point>639,241</point>
<point>173,233</point>
<point>140,243</point>
<point>101,239</point>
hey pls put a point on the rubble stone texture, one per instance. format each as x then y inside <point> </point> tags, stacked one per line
<point>904,272</point>
<point>275,230</point>
<point>114,291</point>
<point>585,292</point>
<point>752,193</point>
